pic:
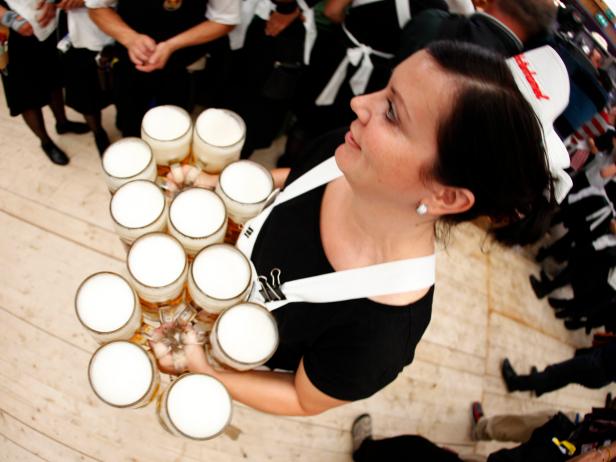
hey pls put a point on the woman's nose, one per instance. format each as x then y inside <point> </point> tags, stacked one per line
<point>360,108</point>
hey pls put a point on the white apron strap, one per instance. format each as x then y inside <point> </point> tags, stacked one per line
<point>321,174</point>
<point>370,281</point>
<point>356,55</point>
<point>311,29</point>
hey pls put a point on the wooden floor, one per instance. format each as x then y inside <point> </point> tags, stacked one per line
<point>56,231</point>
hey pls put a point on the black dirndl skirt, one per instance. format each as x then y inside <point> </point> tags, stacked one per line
<point>33,72</point>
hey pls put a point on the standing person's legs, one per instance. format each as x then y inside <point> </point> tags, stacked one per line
<point>132,95</point>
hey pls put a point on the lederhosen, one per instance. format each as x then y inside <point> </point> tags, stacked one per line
<point>135,91</point>
<point>371,281</point>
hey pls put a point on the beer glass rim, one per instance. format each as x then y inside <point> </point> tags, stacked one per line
<point>176,242</point>
<point>166,399</point>
<point>181,109</point>
<point>224,221</point>
<point>130,138</point>
<point>233,114</point>
<point>152,367</point>
<point>225,245</point>
<point>162,212</point>
<point>132,291</point>
<point>269,174</point>
<point>271,318</point>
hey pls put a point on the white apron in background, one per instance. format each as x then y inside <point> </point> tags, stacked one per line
<point>359,54</point>
<point>371,281</point>
<point>263,9</point>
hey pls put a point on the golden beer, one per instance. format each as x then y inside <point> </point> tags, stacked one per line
<point>138,208</point>
<point>245,336</point>
<point>195,406</point>
<point>126,160</point>
<point>168,131</point>
<point>197,218</point>
<point>123,374</point>
<point>218,139</point>
<point>108,307</point>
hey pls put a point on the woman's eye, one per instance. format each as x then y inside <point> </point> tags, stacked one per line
<point>391,112</point>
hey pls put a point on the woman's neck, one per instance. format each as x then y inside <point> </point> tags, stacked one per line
<point>373,232</point>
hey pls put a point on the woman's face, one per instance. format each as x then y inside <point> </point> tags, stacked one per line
<point>394,135</point>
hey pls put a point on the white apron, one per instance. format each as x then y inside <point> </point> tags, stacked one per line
<point>371,281</point>
<point>359,55</point>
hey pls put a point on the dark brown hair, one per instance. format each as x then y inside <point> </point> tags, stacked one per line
<point>491,143</point>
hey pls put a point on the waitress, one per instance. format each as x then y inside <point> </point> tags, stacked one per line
<point>354,237</point>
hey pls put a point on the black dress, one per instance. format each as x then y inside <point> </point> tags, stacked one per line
<point>350,349</point>
<point>33,72</point>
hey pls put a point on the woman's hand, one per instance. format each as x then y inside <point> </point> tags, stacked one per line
<point>189,175</point>
<point>178,347</point>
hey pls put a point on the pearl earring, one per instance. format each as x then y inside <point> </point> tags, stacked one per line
<point>421,209</point>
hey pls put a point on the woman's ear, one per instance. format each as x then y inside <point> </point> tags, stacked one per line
<point>449,200</point>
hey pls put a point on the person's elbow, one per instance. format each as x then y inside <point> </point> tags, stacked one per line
<point>222,29</point>
<point>333,13</point>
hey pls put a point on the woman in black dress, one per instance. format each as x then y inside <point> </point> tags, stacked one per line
<point>33,79</point>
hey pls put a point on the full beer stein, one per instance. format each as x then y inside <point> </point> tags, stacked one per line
<point>126,160</point>
<point>108,307</point>
<point>197,218</point>
<point>244,336</point>
<point>168,131</point>
<point>138,208</point>
<point>220,276</point>
<point>123,374</point>
<point>218,139</point>
<point>245,188</point>
<point>195,406</point>
<point>157,266</point>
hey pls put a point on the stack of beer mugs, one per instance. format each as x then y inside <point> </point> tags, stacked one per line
<point>181,270</point>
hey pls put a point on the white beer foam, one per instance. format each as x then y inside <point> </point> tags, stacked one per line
<point>246,182</point>
<point>247,334</point>
<point>156,260</point>
<point>137,204</point>
<point>166,123</point>
<point>221,271</point>
<point>105,302</point>
<point>217,127</point>
<point>126,157</point>
<point>199,405</point>
<point>197,212</point>
<point>121,373</point>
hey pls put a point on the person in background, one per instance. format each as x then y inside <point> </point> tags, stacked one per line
<point>157,41</point>
<point>33,78</point>
<point>83,84</point>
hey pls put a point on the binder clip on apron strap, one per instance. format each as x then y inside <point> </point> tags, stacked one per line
<point>270,290</point>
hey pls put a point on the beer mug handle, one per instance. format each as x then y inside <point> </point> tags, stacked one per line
<point>232,432</point>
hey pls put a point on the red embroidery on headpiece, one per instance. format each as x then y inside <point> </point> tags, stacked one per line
<point>529,74</point>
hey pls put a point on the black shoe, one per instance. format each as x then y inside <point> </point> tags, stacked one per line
<point>537,287</point>
<point>574,324</point>
<point>72,127</point>
<point>509,375</point>
<point>562,314</point>
<point>102,141</point>
<point>558,303</point>
<point>55,154</point>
